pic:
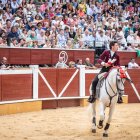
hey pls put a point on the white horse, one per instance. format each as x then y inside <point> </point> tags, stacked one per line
<point>111,86</point>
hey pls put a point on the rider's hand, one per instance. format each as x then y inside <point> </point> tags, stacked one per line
<point>107,65</point>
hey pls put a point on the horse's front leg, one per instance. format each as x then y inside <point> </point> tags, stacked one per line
<point>94,117</point>
<point>111,110</point>
<point>102,115</point>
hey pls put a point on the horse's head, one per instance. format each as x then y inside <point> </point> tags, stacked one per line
<point>120,79</point>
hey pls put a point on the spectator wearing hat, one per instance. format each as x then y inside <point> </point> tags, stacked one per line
<point>16,20</point>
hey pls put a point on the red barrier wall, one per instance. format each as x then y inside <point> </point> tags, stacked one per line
<point>50,56</point>
<point>41,56</point>
<point>89,78</point>
<point>0,89</point>
<point>4,52</point>
<point>19,56</point>
<point>51,76</point>
<point>58,78</point>
<point>135,76</point>
<point>64,76</point>
<point>16,87</point>
<point>19,86</point>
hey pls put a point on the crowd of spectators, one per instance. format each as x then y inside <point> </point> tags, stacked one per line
<point>69,24</point>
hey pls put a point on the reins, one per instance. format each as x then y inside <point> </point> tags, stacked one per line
<point>115,93</point>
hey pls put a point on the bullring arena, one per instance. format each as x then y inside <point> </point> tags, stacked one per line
<point>56,100</point>
<point>70,124</point>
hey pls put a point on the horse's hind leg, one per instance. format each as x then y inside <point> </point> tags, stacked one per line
<point>105,134</point>
<point>94,117</point>
<point>102,115</point>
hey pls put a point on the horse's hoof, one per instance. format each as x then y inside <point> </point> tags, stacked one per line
<point>100,127</point>
<point>105,135</point>
<point>93,130</point>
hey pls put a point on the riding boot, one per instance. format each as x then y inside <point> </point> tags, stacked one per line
<point>120,100</point>
<point>92,97</point>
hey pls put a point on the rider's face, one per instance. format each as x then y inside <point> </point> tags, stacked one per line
<point>115,47</point>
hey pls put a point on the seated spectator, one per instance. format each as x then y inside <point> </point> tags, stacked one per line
<point>35,44</point>
<point>69,44</point>
<point>61,40</point>
<point>80,45</point>
<point>12,34</point>
<point>88,64</point>
<point>133,64</point>
<point>4,65</point>
<point>71,64</point>
<point>14,43</point>
<point>22,43</point>
<point>1,42</point>
<point>41,39</point>
<point>47,44</point>
<point>61,64</point>
<point>130,37</point>
<point>79,62</point>
<point>130,47</point>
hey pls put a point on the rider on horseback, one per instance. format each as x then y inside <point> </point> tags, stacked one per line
<point>108,59</point>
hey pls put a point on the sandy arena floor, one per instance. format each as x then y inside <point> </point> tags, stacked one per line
<point>69,124</point>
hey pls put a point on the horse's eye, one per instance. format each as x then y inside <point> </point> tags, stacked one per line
<point>119,80</point>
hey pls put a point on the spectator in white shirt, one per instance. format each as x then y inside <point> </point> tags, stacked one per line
<point>41,38</point>
<point>4,2</point>
<point>61,40</point>
<point>133,64</point>
<point>114,2</point>
<point>14,6</point>
<point>86,37</point>
<point>130,38</point>
<point>60,63</point>
<point>101,37</point>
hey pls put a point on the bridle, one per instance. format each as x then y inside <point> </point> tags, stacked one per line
<point>118,89</point>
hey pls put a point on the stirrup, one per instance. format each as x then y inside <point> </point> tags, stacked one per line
<point>120,100</point>
<point>91,99</point>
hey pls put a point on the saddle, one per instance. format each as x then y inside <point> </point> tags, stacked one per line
<point>101,78</point>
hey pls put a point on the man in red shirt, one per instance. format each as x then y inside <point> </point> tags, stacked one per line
<point>107,59</point>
